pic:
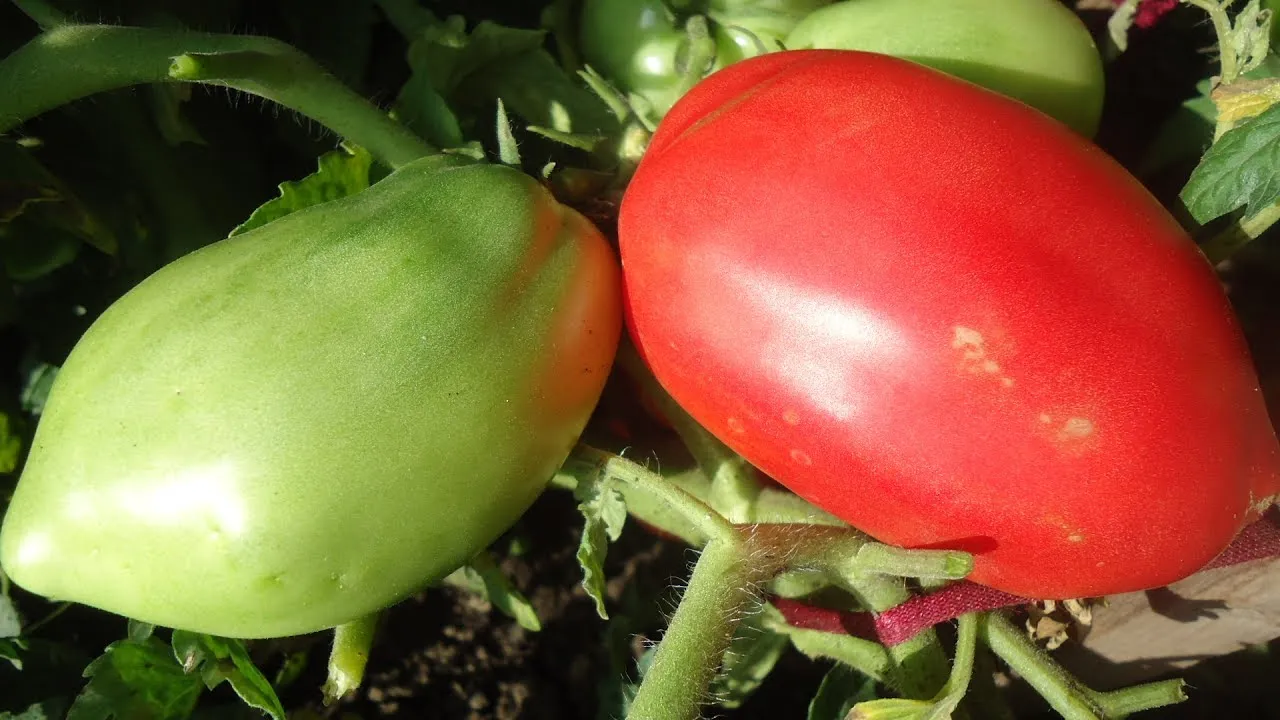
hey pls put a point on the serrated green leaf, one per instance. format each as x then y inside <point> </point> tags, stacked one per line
<point>10,444</point>
<point>216,660</point>
<point>340,173</point>
<point>605,512</point>
<point>136,680</point>
<point>841,688</point>
<point>1250,36</point>
<point>1242,169</point>
<point>751,656</point>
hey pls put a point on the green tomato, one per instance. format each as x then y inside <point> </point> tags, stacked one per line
<point>1036,51</point>
<point>303,424</point>
<point>636,45</point>
<point>642,46</point>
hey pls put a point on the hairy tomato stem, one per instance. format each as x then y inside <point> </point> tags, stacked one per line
<point>1064,693</point>
<point>719,596</point>
<point>74,61</point>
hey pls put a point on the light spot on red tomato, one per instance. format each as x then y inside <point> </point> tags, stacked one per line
<point>800,457</point>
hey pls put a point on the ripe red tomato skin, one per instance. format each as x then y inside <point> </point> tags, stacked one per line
<point>947,320</point>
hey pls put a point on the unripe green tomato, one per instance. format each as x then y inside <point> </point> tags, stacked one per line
<point>298,426</point>
<point>636,45</point>
<point>1036,51</point>
<point>642,46</point>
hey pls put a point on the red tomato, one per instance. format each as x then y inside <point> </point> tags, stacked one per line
<point>946,319</point>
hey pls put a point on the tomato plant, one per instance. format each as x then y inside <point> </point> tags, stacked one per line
<point>642,45</point>
<point>948,320</point>
<point>322,415</point>
<point>1037,51</point>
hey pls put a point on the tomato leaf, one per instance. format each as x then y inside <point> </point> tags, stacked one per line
<point>841,688</point>
<point>10,453</point>
<point>11,651</point>
<point>1242,169</point>
<point>217,660</point>
<point>605,511</point>
<point>10,621</point>
<point>483,577</point>
<point>750,658</point>
<point>341,173</point>
<point>35,390</point>
<point>134,679</point>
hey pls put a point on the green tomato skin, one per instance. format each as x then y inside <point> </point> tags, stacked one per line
<point>298,426</point>
<point>1036,51</point>
<point>635,44</point>
<point>640,45</point>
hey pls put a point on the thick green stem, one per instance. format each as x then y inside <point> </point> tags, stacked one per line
<point>718,597</point>
<point>350,654</point>
<point>75,61</point>
<point>1060,689</point>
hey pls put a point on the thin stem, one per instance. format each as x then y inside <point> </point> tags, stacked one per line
<point>1222,28</point>
<point>718,597</point>
<point>1064,693</point>
<point>867,657</point>
<point>53,615</point>
<point>351,644</point>
<point>75,61</point>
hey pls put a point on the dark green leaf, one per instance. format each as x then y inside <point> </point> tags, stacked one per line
<point>46,206</point>
<point>216,660</point>
<point>751,656</point>
<point>341,173</point>
<point>136,680</point>
<point>1242,169</point>
<point>420,107</point>
<point>842,688</point>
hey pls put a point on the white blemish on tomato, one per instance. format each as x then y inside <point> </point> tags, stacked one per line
<point>736,425</point>
<point>801,458</point>
<point>1075,428</point>
<point>791,417</point>
<point>973,354</point>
